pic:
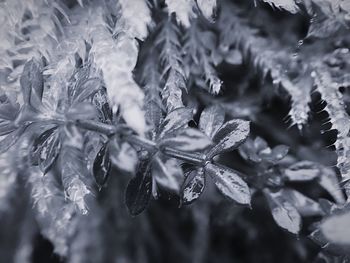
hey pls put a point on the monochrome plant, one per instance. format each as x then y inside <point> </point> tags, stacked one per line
<point>133,127</point>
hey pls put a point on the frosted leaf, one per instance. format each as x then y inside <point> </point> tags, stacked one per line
<point>289,5</point>
<point>183,10</point>
<point>207,7</point>
<point>135,18</point>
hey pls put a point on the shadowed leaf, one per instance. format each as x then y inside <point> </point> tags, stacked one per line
<point>139,189</point>
<point>102,165</point>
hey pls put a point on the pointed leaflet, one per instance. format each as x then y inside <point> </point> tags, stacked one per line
<point>193,186</point>
<point>230,136</point>
<point>32,83</point>
<point>176,119</point>
<point>211,120</point>
<point>188,140</point>
<point>139,190</point>
<point>102,165</point>
<point>283,212</point>
<point>229,183</point>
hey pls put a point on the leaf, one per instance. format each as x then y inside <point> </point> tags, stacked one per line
<point>193,186</point>
<point>10,139</point>
<point>329,181</point>
<point>167,173</point>
<point>102,165</point>
<point>32,82</point>
<point>337,228</point>
<point>283,212</point>
<point>188,140</point>
<point>8,111</point>
<point>139,189</point>
<point>229,183</point>
<point>230,136</point>
<point>288,5</point>
<point>302,171</point>
<point>304,205</point>
<point>211,120</point>
<point>275,155</point>
<point>207,8</point>
<point>49,151</point>
<point>176,119</point>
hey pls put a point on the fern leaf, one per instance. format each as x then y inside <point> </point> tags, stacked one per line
<point>116,59</point>
<point>207,8</point>
<point>288,5</point>
<point>53,214</point>
<point>199,46</point>
<point>134,19</point>
<point>270,58</point>
<point>183,10</point>
<point>172,65</point>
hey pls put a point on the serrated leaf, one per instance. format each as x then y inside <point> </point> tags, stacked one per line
<point>167,173</point>
<point>337,228</point>
<point>211,120</point>
<point>229,183</point>
<point>139,189</point>
<point>176,119</point>
<point>193,186</point>
<point>304,205</point>
<point>102,165</point>
<point>283,212</point>
<point>32,83</point>
<point>188,140</point>
<point>302,171</point>
<point>230,136</point>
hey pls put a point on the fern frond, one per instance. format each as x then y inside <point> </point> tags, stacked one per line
<point>116,59</point>
<point>207,8</point>
<point>74,174</point>
<point>172,65</point>
<point>183,10</point>
<point>199,46</point>
<point>271,59</point>
<point>53,213</point>
<point>134,18</point>
<point>288,5</point>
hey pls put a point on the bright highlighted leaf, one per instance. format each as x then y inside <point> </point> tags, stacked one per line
<point>230,136</point>
<point>229,183</point>
<point>211,120</point>
<point>176,119</point>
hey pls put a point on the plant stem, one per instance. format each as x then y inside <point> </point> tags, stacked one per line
<point>148,145</point>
